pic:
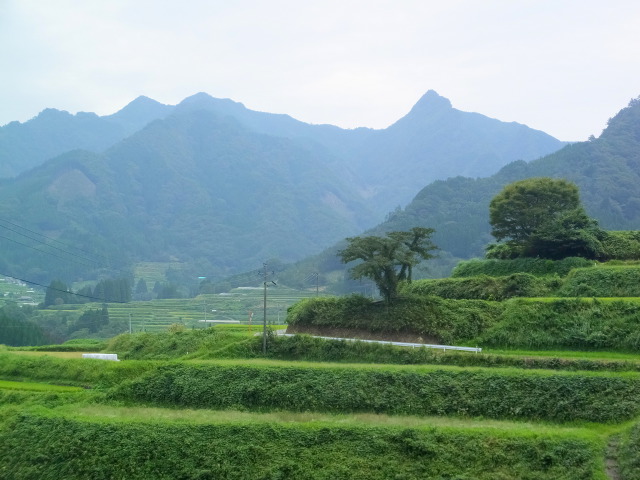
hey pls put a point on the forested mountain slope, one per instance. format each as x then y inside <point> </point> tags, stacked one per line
<point>53,132</point>
<point>606,170</point>
<point>194,188</point>
<point>388,166</point>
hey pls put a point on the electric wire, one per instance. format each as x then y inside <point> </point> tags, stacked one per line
<point>48,238</point>
<point>60,290</point>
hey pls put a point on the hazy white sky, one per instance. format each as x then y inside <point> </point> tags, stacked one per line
<point>562,66</point>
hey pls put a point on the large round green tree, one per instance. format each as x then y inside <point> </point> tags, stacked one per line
<point>542,217</point>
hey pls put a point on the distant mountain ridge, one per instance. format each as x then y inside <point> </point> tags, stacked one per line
<point>194,188</point>
<point>433,141</point>
<point>53,132</point>
<point>222,188</point>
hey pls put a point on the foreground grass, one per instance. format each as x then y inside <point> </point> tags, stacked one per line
<point>34,353</point>
<point>117,413</point>
<point>37,387</point>
<point>102,442</point>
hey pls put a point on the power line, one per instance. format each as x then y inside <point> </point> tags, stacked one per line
<point>74,257</point>
<point>48,238</point>
<point>46,244</point>
<point>103,300</point>
<point>46,253</point>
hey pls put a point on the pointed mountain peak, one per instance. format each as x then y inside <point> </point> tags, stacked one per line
<point>139,112</point>
<point>625,123</point>
<point>431,101</point>
<point>204,99</point>
<point>143,100</point>
<point>196,98</point>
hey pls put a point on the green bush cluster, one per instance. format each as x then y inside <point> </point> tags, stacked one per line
<point>485,287</point>
<point>84,372</point>
<point>603,281</point>
<point>534,266</point>
<point>515,323</point>
<point>427,391</point>
<point>609,281</point>
<point>33,446</point>
<point>174,344</point>
<point>621,245</point>
<point>429,317</point>
<point>566,323</point>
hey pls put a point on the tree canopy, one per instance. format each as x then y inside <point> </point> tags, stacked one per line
<point>542,217</point>
<point>388,260</point>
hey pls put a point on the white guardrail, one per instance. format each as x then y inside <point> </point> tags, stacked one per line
<point>400,344</point>
<point>102,356</point>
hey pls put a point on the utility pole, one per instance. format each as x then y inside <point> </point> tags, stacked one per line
<point>129,323</point>
<point>264,322</point>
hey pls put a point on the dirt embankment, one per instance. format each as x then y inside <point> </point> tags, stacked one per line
<point>362,334</point>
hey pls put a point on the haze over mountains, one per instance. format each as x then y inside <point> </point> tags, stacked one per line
<point>214,184</point>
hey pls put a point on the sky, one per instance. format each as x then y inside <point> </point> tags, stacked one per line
<point>561,66</point>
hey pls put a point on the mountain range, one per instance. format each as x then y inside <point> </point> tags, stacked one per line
<point>220,187</point>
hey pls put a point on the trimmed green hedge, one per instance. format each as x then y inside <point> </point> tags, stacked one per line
<point>445,320</point>
<point>618,281</point>
<point>460,392</point>
<point>72,371</point>
<point>170,345</point>
<point>484,287</point>
<point>42,447</point>
<point>535,266</point>
<point>570,323</point>
<point>314,349</point>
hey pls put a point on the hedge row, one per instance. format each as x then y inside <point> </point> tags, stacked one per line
<point>485,287</point>
<point>602,281</point>
<point>432,317</point>
<point>534,266</point>
<point>53,447</point>
<point>491,393</point>
<point>314,349</point>
<point>170,345</point>
<point>83,372</point>
<point>515,323</point>
<point>570,323</point>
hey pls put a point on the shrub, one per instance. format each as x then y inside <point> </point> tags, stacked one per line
<point>461,392</point>
<point>602,282</point>
<point>445,320</point>
<point>175,343</point>
<point>621,245</point>
<point>484,287</point>
<point>72,449</point>
<point>570,323</point>
<point>535,266</point>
